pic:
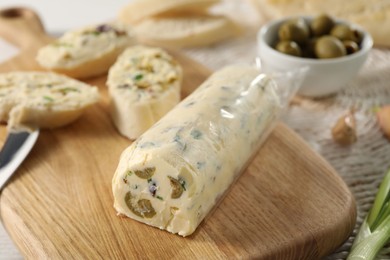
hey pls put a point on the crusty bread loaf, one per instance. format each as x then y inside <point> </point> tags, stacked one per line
<point>140,9</point>
<point>144,84</point>
<point>371,15</point>
<point>86,52</point>
<point>30,100</point>
<point>185,30</point>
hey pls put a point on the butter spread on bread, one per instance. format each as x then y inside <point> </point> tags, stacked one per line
<point>30,100</point>
<point>88,51</point>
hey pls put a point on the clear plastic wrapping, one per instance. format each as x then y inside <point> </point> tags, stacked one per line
<point>173,175</point>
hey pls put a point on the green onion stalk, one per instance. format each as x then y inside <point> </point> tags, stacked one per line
<point>374,233</point>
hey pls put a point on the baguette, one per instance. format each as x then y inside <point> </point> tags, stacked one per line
<point>185,30</point>
<point>141,9</point>
<point>30,100</point>
<point>86,52</point>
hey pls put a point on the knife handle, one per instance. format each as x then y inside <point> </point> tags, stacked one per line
<point>22,27</point>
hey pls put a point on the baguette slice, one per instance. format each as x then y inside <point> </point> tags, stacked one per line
<point>86,52</point>
<point>30,100</point>
<point>185,30</point>
<point>144,84</point>
<point>140,9</point>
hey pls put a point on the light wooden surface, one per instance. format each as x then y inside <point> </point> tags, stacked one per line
<point>288,204</point>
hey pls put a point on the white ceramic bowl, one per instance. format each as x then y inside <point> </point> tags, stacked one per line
<point>325,76</point>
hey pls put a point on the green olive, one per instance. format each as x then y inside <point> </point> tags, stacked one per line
<point>143,208</point>
<point>328,47</point>
<point>309,50</point>
<point>289,47</point>
<point>321,25</point>
<point>351,46</point>
<point>322,38</point>
<point>300,22</point>
<point>343,32</point>
<point>294,30</point>
<point>67,56</point>
<point>146,173</point>
<point>146,208</point>
<point>358,35</point>
<point>177,188</point>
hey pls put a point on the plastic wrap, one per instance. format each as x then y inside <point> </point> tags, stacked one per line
<point>173,175</point>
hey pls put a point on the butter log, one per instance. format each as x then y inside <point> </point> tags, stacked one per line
<point>176,172</point>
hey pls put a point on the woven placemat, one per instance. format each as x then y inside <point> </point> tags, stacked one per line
<point>361,165</point>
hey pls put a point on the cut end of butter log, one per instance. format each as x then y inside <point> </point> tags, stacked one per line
<point>30,100</point>
<point>144,84</point>
<point>177,171</point>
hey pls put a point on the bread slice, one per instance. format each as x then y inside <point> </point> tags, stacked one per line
<point>144,84</point>
<point>30,100</point>
<point>140,9</point>
<point>86,52</point>
<point>185,30</point>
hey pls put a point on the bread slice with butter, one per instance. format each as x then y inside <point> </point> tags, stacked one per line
<point>137,10</point>
<point>186,30</point>
<point>86,52</point>
<point>30,100</point>
<point>144,84</point>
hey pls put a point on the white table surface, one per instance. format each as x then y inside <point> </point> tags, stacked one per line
<point>57,16</point>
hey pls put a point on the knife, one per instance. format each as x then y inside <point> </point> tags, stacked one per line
<point>14,151</point>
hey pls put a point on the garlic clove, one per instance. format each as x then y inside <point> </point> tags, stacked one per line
<point>383,116</point>
<point>344,131</point>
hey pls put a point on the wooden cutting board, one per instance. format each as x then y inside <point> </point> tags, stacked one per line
<point>288,204</point>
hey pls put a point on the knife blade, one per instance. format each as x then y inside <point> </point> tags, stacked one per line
<point>15,149</point>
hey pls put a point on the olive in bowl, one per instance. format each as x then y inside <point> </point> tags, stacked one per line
<point>330,61</point>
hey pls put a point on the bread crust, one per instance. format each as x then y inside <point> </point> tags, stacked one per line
<point>91,68</point>
<point>186,31</point>
<point>141,9</point>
